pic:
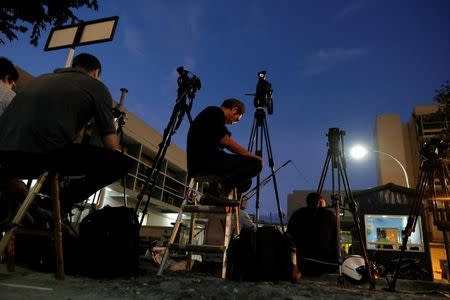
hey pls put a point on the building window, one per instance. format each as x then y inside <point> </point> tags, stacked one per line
<point>384,232</point>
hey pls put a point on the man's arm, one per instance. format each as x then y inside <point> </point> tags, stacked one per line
<point>234,147</point>
<point>111,141</point>
<point>245,221</point>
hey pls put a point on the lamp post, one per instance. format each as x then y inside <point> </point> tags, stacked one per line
<point>359,151</point>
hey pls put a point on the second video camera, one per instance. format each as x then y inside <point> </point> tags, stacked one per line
<point>186,84</point>
<point>435,148</point>
<point>263,96</point>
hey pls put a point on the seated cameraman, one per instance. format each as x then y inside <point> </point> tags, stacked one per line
<point>313,229</point>
<point>44,118</point>
<point>206,139</point>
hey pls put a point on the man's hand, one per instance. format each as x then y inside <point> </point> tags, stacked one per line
<point>234,147</point>
<point>111,141</point>
<point>259,158</point>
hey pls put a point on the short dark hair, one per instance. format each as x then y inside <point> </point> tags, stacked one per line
<point>87,62</point>
<point>312,199</point>
<point>7,69</point>
<point>232,102</point>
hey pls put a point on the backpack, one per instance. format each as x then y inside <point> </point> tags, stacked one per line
<point>264,255</point>
<point>109,242</point>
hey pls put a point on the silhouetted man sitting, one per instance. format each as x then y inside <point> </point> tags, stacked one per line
<point>313,229</point>
<point>208,136</point>
<point>43,120</point>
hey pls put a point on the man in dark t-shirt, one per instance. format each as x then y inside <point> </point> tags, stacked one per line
<point>207,138</point>
<point>44,118</point>
<point>313,229</point>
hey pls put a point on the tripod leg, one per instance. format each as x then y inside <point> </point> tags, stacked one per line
<point>415,208</point>
<point>251,140</point>
<point>354,210</point>
<point>258,152</point>
<point>340,280</point>
<point>271,164</point>
<point>152,176</point>
<point>324,172</point>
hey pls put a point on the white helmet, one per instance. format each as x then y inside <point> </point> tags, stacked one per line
<point>354,267</point>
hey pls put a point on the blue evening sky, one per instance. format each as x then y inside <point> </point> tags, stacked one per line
<point>331,64</point>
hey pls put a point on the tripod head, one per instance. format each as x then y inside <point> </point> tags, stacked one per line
<point>187,86</point>
<point>263,95</point>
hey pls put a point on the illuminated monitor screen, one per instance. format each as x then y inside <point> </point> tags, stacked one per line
<point>384,232</point>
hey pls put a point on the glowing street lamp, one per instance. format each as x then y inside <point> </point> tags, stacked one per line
<point>359,152</point>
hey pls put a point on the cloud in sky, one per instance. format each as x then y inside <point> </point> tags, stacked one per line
<point>194,13</point>
<point>326,59</point>
<point>132,40</point>
<point>180,23</point>
<point>349,10</point>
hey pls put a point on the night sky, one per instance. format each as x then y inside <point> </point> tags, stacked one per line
<point>331,64</point>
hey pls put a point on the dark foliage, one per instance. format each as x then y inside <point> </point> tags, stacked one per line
<point>17,15</point>
<point>443,98</point>
<point>443,94</point>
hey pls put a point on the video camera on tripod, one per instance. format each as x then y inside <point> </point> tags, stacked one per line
<point>435,148</point>
<point>335,139</point>
<point>263,95</point>
<point>186,84</point>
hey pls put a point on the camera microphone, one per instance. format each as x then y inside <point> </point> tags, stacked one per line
<point>123,92</point>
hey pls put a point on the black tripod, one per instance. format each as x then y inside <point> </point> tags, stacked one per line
<point>259,132</point>
<point>187,86</point>
<point>433,167</point>
<point>335,155</point>
<point>120,116</point>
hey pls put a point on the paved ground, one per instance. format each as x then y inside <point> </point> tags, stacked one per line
<point>27,284</point>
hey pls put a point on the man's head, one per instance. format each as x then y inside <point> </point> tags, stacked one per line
<point>8,73</point>
<point>233,110</point>
<point>312,199</point>
<point>88,63</point>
